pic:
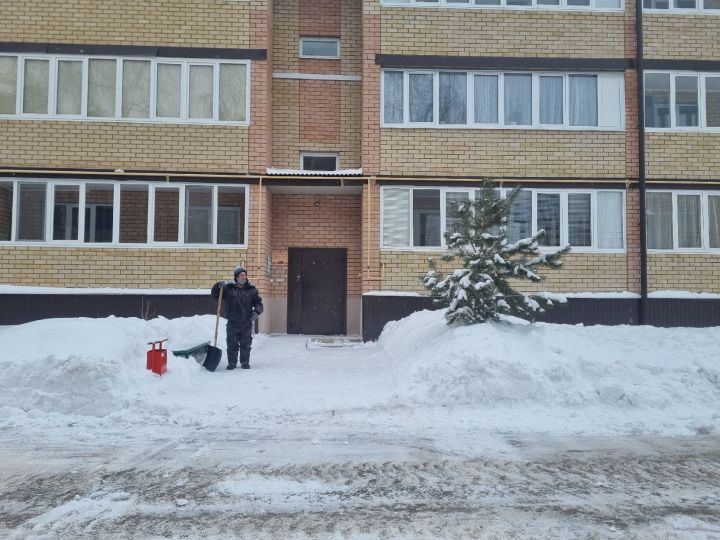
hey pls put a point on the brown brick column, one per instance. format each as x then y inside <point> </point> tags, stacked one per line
<point>261,93</point>
<point>633,238</point>
<point>371,237</point>
<point>370,90</point>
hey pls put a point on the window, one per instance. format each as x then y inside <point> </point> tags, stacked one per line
<point>529,100</point>
<point>318,162</point>
<point>414,217</point>
<point>124,89</point>
<point>319,48</point>
<point>683,220</point>
<point>115,213</point>
<point>683,101</point>
<point>6,208</point>
<point>682,6</point>
<point>605,5</point>
<point>518,99</point>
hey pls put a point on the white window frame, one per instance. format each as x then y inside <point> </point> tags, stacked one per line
<point>303,39</point>
<point>702,102</point>
<point>470,102</point>
<point>697,10</point>
<point>444,4</point>
<point>564,225</point>
<point>303,155</point>
<point>116,185</point>
<point>704,222</point>
<point>153,118</point>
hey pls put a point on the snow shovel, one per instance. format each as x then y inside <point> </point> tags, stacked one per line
<point>212,358</point>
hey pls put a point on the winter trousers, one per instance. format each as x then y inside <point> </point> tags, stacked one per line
<point>239,338</point>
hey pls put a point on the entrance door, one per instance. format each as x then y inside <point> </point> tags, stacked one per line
<point>317,289</point>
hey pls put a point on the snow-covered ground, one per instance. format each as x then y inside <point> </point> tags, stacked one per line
<point>499,430</point>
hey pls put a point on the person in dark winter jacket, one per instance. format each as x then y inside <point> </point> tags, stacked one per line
<point>241,306</point>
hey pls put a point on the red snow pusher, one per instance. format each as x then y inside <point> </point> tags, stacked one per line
<point>157,357</point>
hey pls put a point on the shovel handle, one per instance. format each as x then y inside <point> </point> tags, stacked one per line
<point>217,318</point>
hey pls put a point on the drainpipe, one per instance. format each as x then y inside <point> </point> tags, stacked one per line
<point>642,314</point>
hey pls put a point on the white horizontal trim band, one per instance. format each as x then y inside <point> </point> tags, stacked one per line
<point>316,77</point>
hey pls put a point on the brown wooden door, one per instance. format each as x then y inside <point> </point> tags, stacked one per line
<point>317,290</point>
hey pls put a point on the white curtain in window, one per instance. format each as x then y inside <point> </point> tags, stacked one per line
<point>579,219</point>
<point>396,217</point>
<point>453,98</point>
<point>8,84</point>
<point>232,92</point>
<point>583,100</point>
<point>69,87</point>
<point>659,222</point>
<point>714,220</point>
<point>35,91</point>
<point>688,209</point>
<point>201,92</point>
<point>610,220</point>
<point>521,217</point>
<point>548,218</point>
<point>518,100</point>
<point>101,88</point>
<point>136,89</point>
<point>551,100</point>
<point>393,97</point>
<point>168,91</point>
<point>421,97</point>
<point>486,99</point>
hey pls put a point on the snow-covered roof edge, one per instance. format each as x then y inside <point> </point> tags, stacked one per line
<point>301,172</point>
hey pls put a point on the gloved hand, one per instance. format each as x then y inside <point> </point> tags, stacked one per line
<point>253,317</point>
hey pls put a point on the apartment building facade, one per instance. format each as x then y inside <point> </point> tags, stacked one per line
<point>156,145</point>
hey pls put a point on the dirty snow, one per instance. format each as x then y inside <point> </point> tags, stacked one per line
<point>505,430</point>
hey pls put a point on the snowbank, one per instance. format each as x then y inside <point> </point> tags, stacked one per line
<point>548,365</point>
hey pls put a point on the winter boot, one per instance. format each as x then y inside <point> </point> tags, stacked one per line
<point>231,366</point>
<point>245,365</point>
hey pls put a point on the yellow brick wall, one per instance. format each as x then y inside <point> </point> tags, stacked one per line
<point>124,145</point>
<point>502,32</point>
<point>287,140</point>
<point>285,36</point>
<point>684,272</point>
<point>117,267</point>
<point>181,23</point>
<point>581,272</point>
<point>683,155</point>
<point>286,33</point>
<point>684,37</point>
<point>467,152</point>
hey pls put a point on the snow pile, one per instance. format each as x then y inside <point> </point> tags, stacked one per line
<point>92,367</point>
<point>549,365</point>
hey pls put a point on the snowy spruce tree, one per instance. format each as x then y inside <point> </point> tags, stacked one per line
<point>479,291</point>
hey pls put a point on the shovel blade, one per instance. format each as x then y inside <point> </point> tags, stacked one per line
<point>212,359</point>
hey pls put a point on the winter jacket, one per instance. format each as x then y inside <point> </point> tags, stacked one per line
<point>239,302</point>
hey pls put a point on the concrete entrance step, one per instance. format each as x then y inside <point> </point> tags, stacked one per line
<point>315,342</point>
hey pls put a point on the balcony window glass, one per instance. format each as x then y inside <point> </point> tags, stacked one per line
<point>101,88</point>
<point>31,212</point>
<point>520,226</point>
<point>6,208</point>
<point>486,99</point>
<point>69,87</point>
<point>134,204</point>
<point>712,101</point>
<point>610,220</point>
<point>657,100</point>
<point>583,100</point>
<point>168,100</point>
<point>548,218</point>
<point>198,215</point>
<point>232,92</point>
<point>393,97</point>
<point>167,220</point>
<point>579,219</point>
<point>686,101</point>
<point>66,205</point>
<point>551,100</point>
<point>201,92</point>
<point>518,100</point>
<point>8,84</point>
<point>35,90</point>
<point>136,89</point>
<point>421,97</point>
<point>659,220</point>
<point>99,202</point>
<point>688,209</point>
<point>426,217</point>
<point>453,98</point>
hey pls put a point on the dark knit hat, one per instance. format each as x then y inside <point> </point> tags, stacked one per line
<point>237,271</point>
